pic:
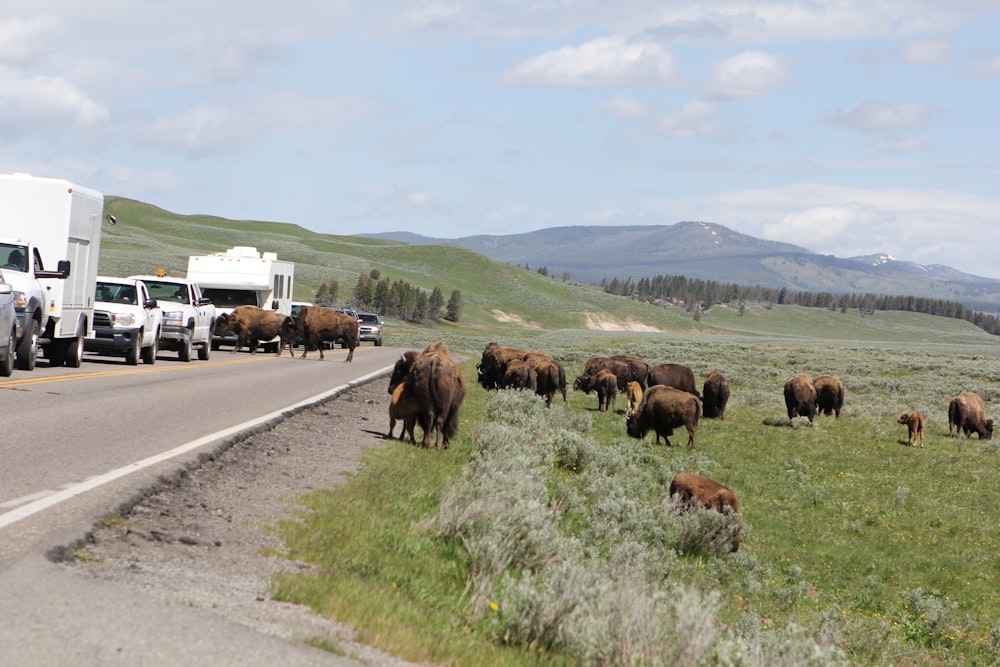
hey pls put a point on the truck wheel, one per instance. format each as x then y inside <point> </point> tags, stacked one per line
<point>132,354</point>
<point>149,353</point>
<point>74,351</point>
<point>205,351</point>
<point>184,351</point>
<point>7,365</point>
<point>27,350</point>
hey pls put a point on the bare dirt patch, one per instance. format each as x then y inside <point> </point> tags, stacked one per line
<point>602,322</point>
<point>510,318</point>
<point>198,540</point>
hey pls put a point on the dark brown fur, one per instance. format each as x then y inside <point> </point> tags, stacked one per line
<point>639,367</point>
<point>967,412</point>
<point>708,493</point>
<point>437,384</point>
<point>251,324</point>
<point>829,395</point>
<point>715,396</point>
<point>677,376</point>
<point>800,398</point>
<point>315,324</point>
<point>663,409</point>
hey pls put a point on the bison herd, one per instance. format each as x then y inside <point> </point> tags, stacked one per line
<point>312,326</point>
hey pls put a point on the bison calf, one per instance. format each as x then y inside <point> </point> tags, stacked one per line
<point>915,425</point>
<point>405,407</point>
<point>708,493</point>
<point>634,392</point>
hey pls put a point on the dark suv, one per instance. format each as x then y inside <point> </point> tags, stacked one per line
<point>370,328</point>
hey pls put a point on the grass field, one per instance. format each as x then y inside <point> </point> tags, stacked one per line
<point>857,548</point>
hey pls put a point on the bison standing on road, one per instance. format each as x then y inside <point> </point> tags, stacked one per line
<point>315,324</point>
<point>715,396</point>
<point>800,398</point>
<point>677,376</point>
<point>829,395</point>
<point>708,493</point>
<point>915,427</point>
<point>967,412</point>
<point>251,324</point>
<point>663,409</point>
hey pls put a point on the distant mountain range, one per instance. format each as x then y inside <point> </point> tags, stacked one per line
<point>711,251</point>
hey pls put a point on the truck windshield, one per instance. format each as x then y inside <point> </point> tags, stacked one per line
<point>231,298</point>
<point>168,292</point>
<point>14,257</point>
<point>114,293</point>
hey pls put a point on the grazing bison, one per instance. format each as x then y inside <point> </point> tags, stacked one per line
<point>639,368</point>
<point>437,383</point>
<point>551,375</point>
<point>315,324</point>
<point>800,397</point>
<point>663,409</point>
<point>493,364</point>
<point>605,383</point>
<point>715,396</point>
<point>708,493</point>
<point>634,392</point>
<point>405,407</point>
<point>915,426</point>
<point>967,412</point>
<point>622,371</point>
<point>519,375</point>
<point>673,375</point>
<point>251,324</point>
<point>829,395</point>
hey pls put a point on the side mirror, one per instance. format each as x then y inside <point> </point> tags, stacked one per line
<point>274,305</point>
<point>150,303</point>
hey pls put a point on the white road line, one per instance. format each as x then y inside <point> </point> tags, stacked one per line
<point>54,498</point>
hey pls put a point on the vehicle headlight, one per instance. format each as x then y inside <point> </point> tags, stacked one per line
<point>174,318</point>
<point>124,319</point>
<point>20,299</point>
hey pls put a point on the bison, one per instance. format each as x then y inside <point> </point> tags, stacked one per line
<point>800,398</point>
<point>315,324</point>
<point>406,407</point>
<point>715,396</point>
<point>437,384</point>
<point>634,393</point>
<point>829,395</point>
<point>493,364</point>
<point>967,412</point>
<point>519,375</point>
<point>673,375</point>
<point>639,368</point>
<point>251,324</point>
<point>663,409</point>
<point>708,493</point>
<point>915,426</point>
<point>622,371</point>
<point>551,375</point>
<point>605,383</point>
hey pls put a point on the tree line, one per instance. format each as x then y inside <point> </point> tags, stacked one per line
<point>697,295</point>
<point>397,299</point>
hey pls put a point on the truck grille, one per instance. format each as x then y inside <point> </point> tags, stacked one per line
<point>102,318</point>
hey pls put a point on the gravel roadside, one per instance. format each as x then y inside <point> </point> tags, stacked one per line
<point>198,538</point>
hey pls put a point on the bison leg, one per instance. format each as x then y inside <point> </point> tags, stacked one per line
<point>350,355</point>
<point>690,431</point>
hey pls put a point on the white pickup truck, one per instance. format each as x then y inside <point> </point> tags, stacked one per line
<point>126,320</point>
<point>188,317</point>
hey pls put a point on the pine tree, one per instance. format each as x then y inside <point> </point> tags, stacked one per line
<point>454,310</point>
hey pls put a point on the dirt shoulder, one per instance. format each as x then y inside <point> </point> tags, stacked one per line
<point>198,539</point>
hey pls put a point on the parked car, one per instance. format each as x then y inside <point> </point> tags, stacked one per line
<point>8,329</point>
<point>370,328</point>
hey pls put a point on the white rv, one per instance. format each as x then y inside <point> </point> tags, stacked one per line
<point>50,241</point>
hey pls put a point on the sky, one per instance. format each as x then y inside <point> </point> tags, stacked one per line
<point>848,127</point>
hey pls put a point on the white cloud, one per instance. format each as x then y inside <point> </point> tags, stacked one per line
<point>624,106</point>
<point>695,120</point>
<point>927,50</point>
<point>23,41</point>
<point>853,227</point>
<point>32,104</point>
<point>748,75</point>
<point>606,61</point>
<point>881,116</point>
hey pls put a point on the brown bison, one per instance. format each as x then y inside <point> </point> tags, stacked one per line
<point>316,324</point>
<point>800,398</point>
<point>622,371</point>
<point>520,375</point>
<point>551,375</point>
<point>915,426</point>
<point>404,407</point>
<point>640,369</point>
<point>708,493</point>
<point>250,324</point>
<point>967,412</point>
<point>663,409</point>
<point>715,396</point>
<point>634,392</point>
<point>605,383</point>
<point>493,364</point>
<point>829,395</point>
<point>437,383</point>
<point>673,375</point>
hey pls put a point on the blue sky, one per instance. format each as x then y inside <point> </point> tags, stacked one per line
<point>845,126</point>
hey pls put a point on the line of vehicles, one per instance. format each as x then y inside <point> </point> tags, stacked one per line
<point>63,312</point>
